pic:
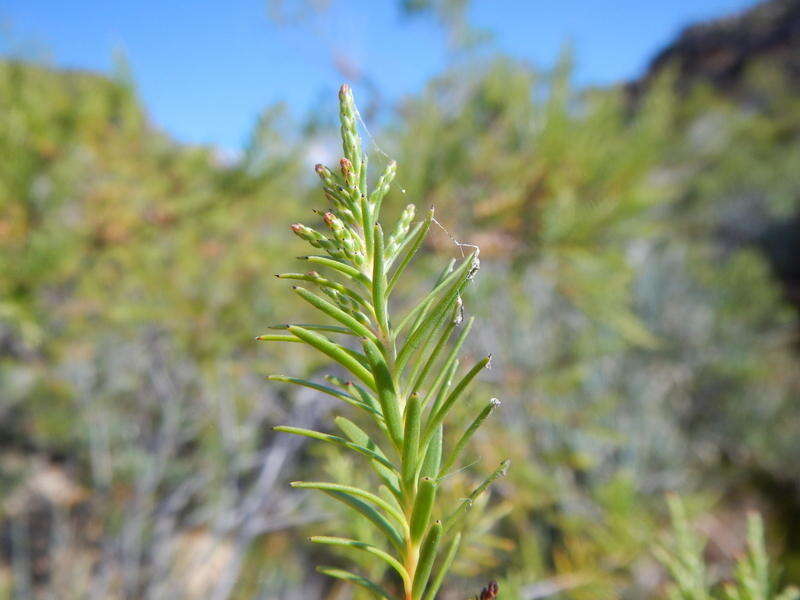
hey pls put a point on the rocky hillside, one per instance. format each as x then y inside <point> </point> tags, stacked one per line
<point>753,59</point>
<point>721,51</point>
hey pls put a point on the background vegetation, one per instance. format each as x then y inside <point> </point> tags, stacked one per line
<point>639,292</point>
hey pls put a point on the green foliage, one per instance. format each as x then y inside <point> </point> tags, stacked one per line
<point>640,337</point>
<point>683,558</point>
<point>407,404</point>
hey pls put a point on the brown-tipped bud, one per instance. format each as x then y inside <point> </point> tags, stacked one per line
<point>328,217</point>
<point>324,173</point>
<point>344,92</point>
<point>348,172</point>
<point>490,592</point>
<point>313,237</point>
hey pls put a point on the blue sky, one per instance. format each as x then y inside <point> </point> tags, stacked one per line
<point>205,69</point>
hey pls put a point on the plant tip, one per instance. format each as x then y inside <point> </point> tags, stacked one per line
<point>490,592</point>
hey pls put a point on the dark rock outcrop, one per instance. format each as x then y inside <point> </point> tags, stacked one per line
<point>720,51</point>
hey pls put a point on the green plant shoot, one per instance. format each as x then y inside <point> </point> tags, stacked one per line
<point>403,373</point>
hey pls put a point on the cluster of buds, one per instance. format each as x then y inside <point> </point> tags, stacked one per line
<point>350,243</point>
<point>346,303</point>
<point>351,142</point>
<point>336,193</point>
<point>349,173</point>
<point>383,184</point>
<point>400,230</point>
<point>317,240</point>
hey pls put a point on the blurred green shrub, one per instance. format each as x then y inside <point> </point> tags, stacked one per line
<point>641,337</point>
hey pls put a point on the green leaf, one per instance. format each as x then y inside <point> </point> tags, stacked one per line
<point>436,419</point>
<point>369,548</point>
<point>362,175</point>
<point>446,370</point>
<point>426,557</point>
<point>361,358</point>
<point>358,391</point>
<point>423,506</point>
<point>360,437</point>
<point>335,439</point>
<point>314,327</point>
<point>433,455</point>
<point>335,352</point>
<point>449,283</point>
<point>446,378</point>
<point>278,338</point>
<point>467,435</point>
<point>420,373</point>
<point>408,466</point>
<point>336,487</point>
<point>433,588</point>
<point>379,282</point>
<point>439,311</point>
<point>347,495</point>
<point>315,277</point>
<point>324,389</point>
<point>340,266</point>
<point>335,313</point>
<point>387,395</point>
<point>453,518</point>
<point>356,579</point>
<point>444,273</point>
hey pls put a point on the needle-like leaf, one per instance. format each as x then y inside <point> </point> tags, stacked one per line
<point>437,417</point>
<point>335,439</point>
<point>335,312</point>
<point>387,393</point>
<point>433,588</point>
<point>379,282</point>
<point>350,399</point>
<point>335,352</point>
<point>352,497</point>
<point>368,548</point>
<point>465,504</point>
<point>408,469</point>
<point>426,557</point>
<point>449,283</point>
<point>358,436</point>
<point>356,579</point>
<point>423,506</point>
<point>467,435</point>
<point>338,265</point>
